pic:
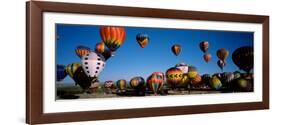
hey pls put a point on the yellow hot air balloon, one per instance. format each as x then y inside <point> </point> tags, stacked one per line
<point>72,68</point>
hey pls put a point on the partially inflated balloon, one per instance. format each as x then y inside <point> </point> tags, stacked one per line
<point>93,64</point>
<point>113,36</point>
<point>155,82</point>
<point>81,78</point>
<point>207,57</point>
<point>221,64</point>
<point>183,67</point>
<point>142,39</point>
<point>196,80</point>
<point>109,84</point>
<point>71,69</point>
<point>222,54</point>
<point>137,82</point>
<point>82,50</point>
<point>174,76</point>
<point>121,84</point>
<point>61,73</point>
<point>243,57</point>
<point>215,83</point>
<point>176,49</point>
<point>204,45</point>
<point>103,50</point>
<point>192,72</point>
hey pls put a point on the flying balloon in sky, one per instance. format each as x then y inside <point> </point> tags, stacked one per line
<point>113,36</point>
<point>176,49</point>
<point>243,57</point>
<point>82,50</point>
<point>103,50</point>
<point>142,39</point>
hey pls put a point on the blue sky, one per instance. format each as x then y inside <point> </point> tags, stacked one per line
<point>131,60</point>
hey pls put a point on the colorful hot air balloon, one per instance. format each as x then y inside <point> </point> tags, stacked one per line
<point>222,54</point>
<point>82,50</point>
<point>227,77</point>
<point>113,36</point>
<point>221,64</point>
<point>137,83</point>
<point>243,57</point>
<point>109,84</point>
<point>244,85</point>
<point>142,39</point>
<point>183,67</point>
<point>155,82</point>
<point>121,85</point>
<point>215,83</point>
<point>61,73</point>
<point>192,72</point>
<point>93,64</point>
<point>204,45</point>
<point>82,79</point>
<point>174,76</point>
<point>176,49</point>
<point>71,69</point>
<point>184,81</point>
<point>196,80</point>
<point>207,57</point>
<point>103,50</point>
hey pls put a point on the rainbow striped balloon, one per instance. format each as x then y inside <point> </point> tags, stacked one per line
<point>113,36</point>
<point>82,50</point>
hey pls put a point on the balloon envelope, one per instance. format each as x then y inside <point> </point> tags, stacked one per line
<point>155,82</point>
<point>176,49</point>
<point>183,67</point>
<point>243,57</point>
<point>142,39</point>
<point>113,36</point>
<point>174,76</point>
<point>71,69</point>
<point>93,64</point>
<point>207,57</point>
<point>61,73</point>
<point>221,64</point>
<point>204,45</point>
<point>103,50</point>
<point>81,78</point>
<point>121,84</point>
<point>222,54</point>
<point>137,82</point>
<point>82,50</point>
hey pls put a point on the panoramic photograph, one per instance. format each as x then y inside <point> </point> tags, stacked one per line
<point>94,61</point>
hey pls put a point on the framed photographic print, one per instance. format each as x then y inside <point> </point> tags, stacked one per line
<point>95,62</point>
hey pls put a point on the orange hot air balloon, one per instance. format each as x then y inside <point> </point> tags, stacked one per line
<point>103,50</point>
<point>207,57</point>
<point>196,80</point>
<point>142,39</point>
<point>113,36</point>
<point>174,76</point>
<point>176,49</point>
<point>155,82</point>
<point>82,50</point>
<point>222,54</point>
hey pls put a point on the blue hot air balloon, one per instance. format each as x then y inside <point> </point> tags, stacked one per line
<point>61,73</point>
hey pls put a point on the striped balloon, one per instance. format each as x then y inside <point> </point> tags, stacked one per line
<point>71,68</point>
<point>82,50</point>
<point>196,80</point>
<point>113,36</point>
<point>103,50</point>
<point>81,78</point>
<point>174,76</point>
<point>142,39</point>
<point>155,82</point>
<point>222,54</point>
<point>121,84</point>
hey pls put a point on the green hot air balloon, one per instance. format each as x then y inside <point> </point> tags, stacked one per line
<point>215,83</point>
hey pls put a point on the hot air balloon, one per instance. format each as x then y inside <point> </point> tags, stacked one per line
<point>243,57</point>
<point>121,85</point>
<point>227,77</point>
<point>196,80</point>
<point>103,50</point>
<point>82,79</point>
<point>244,85</point>
<point>61,73</point>
<point>71,69</point>
<point>204,45</point>
<point>174,76</point>
<point>137,83</point>
<point>206,78</point>
<point>109,84</point>
<point>155,82</point>
<point>183,67</point>
<point>215,83</point>
<point>113,36</point>
<point>192,72</point>
<point>82,50</point>
<point>222,54</point>
<point>184,81</point>
<point>207,57</point>
<point>142,39</point>
<point>221,64</point>
<point>95,87</point>
<point>93,63</point>
<point>176,49</point>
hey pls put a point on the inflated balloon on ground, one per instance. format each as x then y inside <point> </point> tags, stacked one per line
<point>196,80</point>
<point>71,68</point>
<point>174,76</point>
<point>61,72</point>
<point>182,66</point>
<point>93,64</point>
<point>121,85</point>
<point>155,82</point>
<point>137,83</point>
<point>215,83</point>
